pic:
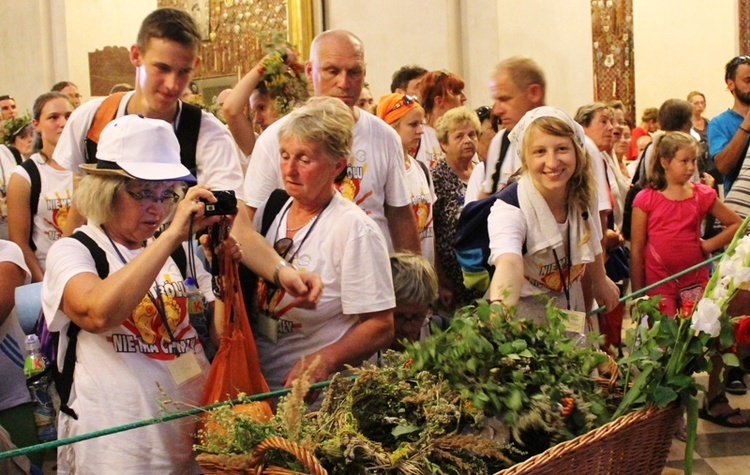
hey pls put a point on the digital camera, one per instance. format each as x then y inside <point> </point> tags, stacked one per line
<point>226,203</point>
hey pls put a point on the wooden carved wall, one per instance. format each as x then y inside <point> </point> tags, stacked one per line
<point>612,43</point>
<point>109,66</point>
<point>744,26</point>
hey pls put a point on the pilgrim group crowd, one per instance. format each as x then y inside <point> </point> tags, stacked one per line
<point>101,200</point>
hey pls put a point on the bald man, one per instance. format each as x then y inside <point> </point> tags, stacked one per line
<point>375,176</point>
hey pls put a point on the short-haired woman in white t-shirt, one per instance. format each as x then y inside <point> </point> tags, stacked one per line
<point>318,230</point>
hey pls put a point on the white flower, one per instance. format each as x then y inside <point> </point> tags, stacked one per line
<point>743,249</point>
<point>706,317</point>
<point>720,293</point>
<point>735,269</point>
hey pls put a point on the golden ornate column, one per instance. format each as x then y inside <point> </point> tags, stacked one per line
<point>237,30</point>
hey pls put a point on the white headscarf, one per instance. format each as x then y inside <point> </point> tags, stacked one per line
<point>519,131</point>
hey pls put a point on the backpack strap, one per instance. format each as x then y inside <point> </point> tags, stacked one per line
<point>64,379</point>
<point>248,279</point>
<point>36,189</point>
<point>16,154</point>
<point>273,207</point>
<point>187,134</point>
<point>641,168</point>
<point>504,144</point>
<point>425,170</point>
<point>180,258</point>
<point>104,115</point>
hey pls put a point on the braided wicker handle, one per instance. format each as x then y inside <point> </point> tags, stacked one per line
<point>302,454</point>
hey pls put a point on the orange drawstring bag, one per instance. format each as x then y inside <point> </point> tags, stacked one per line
<point>236,367</point>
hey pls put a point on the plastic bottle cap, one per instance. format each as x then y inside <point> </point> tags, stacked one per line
<point>32,341</point>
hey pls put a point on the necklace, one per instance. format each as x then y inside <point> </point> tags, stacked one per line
<point>292,230</point>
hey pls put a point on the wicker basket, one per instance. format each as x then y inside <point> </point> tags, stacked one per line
<point>254,464</point>
<point>634,443</point>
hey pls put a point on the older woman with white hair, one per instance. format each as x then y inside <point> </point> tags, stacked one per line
<point>319,230</point>
<point>118,298</point>
<point>549,243</point>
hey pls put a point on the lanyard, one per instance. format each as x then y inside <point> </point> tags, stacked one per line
<point>307,234</point>
<point>157,301</point>
<point>566,285</point>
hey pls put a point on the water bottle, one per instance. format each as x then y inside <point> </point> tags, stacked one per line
<point>38,382</point>
<point>196,308</point>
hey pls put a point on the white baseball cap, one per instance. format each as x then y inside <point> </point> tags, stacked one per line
<point>139,148</point>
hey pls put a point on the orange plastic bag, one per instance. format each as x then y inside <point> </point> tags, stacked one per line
<point>236,367</point>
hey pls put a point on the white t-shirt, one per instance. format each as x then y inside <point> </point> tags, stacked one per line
<point>597,163</point>
<point>121,375</point>
<point>423,196</point>
<point>217,158</point>
<point>429,151</point>
<point>7,165</point>
<point>481,176</point>
<point>375,169</point>
<point>12,341</point>
<point>546,271</point>
<point>349,252</point>
<point>55,197</point>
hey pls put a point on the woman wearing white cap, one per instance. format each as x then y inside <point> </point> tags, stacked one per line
<point>550,243</point>
<point>136,345</point>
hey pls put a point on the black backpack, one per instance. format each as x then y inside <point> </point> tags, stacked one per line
<point>636,185</point>
<point>472,241</point>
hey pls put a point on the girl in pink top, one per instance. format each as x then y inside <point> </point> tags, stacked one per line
<point>667,215</point>
<point>666,239</point>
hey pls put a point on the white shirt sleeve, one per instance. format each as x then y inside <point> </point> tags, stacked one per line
<point>263,174</point>
<point>66,259</point>
<point>396,189</point>
<point>365,287</point>
<point>474,187</point>
<point>218,161</point>
<point>600,175</point>
<point>70,150</point>
<point>506,227</point>
<point>10,252</point>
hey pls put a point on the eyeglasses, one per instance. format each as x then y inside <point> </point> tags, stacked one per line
<point>733,65</point>
<point>406,101</point>
<point>282,246</point>
<point>145,197</point>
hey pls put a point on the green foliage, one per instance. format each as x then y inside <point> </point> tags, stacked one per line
<point>499,362</point>
<point>663,357</point>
